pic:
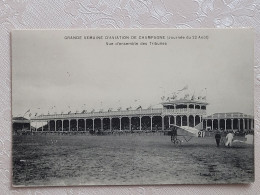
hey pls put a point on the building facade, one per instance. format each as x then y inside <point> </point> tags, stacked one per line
<point>182,112</point>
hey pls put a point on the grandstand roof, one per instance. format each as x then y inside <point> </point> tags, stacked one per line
<point>185,101</point>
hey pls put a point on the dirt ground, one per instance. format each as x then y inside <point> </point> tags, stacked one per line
<point>127,159</point>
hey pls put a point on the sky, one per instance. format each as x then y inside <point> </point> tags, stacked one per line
<point>54,74</point>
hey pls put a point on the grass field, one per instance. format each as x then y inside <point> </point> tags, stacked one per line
<point>127,159</point>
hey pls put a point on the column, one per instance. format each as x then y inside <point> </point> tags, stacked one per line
<point>42,126</point>
<point>30,125</point>
<point>77,123</point>
<point>225,124</point>
<point>212,124</point>
<point>174,120</point>
<point>181,120</point>
<point>194,122</point>
<point>101,124</point>
<point>93,124</point>
<point>140,128</point>
<point>85,122</point>
<point>120,124</point>
<point>232,124</point>
<point>162,122</point>
<point>248,124</point>
<point>69,124</point>
<point>62,125</point>
<point>238,121</point>
<point>169,120</point>
<point>188,122</point>
<point>218,123</point>
<point>55,128</point>
<point>151,122</point>
<point>244,124</point>
<point>130,123</point>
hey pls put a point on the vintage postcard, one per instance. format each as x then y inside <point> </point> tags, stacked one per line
<point>132,107</point>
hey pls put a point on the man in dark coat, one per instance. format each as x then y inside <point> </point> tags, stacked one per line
<point>218,138</point>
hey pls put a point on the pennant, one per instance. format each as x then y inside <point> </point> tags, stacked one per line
<point>184,88</point>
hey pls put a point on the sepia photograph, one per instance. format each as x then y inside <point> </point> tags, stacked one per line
<point>132,107</point>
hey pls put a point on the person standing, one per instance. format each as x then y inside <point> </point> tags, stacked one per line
<point>229,138</point>
<point>218,138</point>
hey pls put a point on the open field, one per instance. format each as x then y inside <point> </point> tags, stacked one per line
<point>127,159</point>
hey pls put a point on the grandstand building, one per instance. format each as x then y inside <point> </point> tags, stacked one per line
<point>181,112</point>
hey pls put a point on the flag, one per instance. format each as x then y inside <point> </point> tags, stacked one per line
<point>193,97</point>
<point>139,107</point>
<point>184,88</point>
<point>168,99</point>
<point>27,112</point>
<point>162,98</point>
<point>83,111</point>
<point>204,98</point>
<point>129,108</point>
<point>30,115</point>
<point>69,112</point>
<point>35,114</point>
<point>119,108</point>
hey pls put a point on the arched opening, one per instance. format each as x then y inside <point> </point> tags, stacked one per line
<point>73,125</point>
<point>181,106</point>
<point>52,125</point>
<point>58,125</point>
<point>106,124</point>
<point>89,124</point>
<point>209,124</point>
<point>184,120</point>
<point>97,124</point>
<point>203,107</point>
<point>125,123</point>
<point>146,123</point>
<point>135,123</point>
<point>222,124</point>
<point>157,122</point>
<point>66,125</point>
<point>229,124</point>
<point>178,120</point>
<point>197,120</point>
<point>235,124</point>
<point>170,120</point>
<point>215,124</point>
<point>81,124</point>
<point>191,121</point>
